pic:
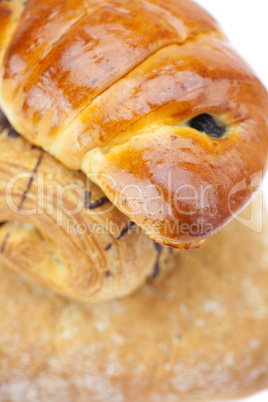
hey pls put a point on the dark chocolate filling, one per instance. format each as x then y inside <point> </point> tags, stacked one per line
<point>30,182</point>
<point>156,271</point>
<point>125,231</point>
<point>4,243</point>
<point>205,123</point>
<point>95,204</point>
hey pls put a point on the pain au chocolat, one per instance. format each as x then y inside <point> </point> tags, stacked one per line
<point>58,228</point>
<point>147,98</point>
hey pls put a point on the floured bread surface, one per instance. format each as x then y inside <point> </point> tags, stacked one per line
<point>198,334</point>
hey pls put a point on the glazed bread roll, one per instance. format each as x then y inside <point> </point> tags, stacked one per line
<point>10,13</point>
<point>200,333</point>
<point>60,229</point>
<point>148,99</point>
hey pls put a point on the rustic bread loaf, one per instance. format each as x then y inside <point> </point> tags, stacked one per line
<point>198,333</point>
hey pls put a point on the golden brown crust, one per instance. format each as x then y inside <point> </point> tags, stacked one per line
<point>200,333</point>
<point>108,86</point>
<point>10,12</point>
<point>62,231</point>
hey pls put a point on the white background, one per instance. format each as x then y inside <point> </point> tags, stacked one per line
<point>245,22</point>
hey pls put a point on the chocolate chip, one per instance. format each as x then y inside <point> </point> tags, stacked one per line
<point>205,123</point>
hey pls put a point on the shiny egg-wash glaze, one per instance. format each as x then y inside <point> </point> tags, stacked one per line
<point>112,88</point>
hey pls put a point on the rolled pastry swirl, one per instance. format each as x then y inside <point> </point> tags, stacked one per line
<point>148,99</point>
<point>60,229</point>
<point>198,334</point>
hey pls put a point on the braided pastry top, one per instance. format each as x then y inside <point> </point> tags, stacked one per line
<point>148,99</point>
